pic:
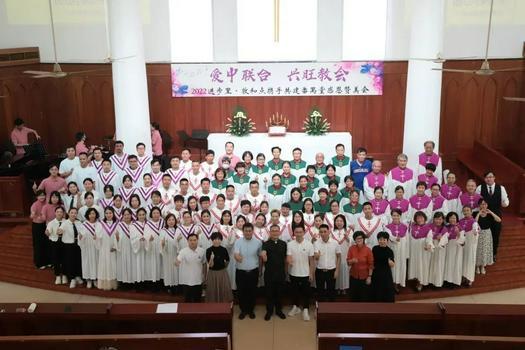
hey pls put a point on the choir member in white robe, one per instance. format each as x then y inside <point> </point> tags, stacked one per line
<point>156,201</point>
<point>205,229</point>
<point>118,206</point>
<point>83,171</point>
<point>54,232</point>
<point>119,159</point>
<point>107,257</point>
<point>68,165</point>
<point>138,244</point>
<point>454,259</point>
<point>135,170</point>
<point>72,198</point>
<point>341,161</point>
<point>352,209</point>
<point>178,207</point>
<point>185,228</point>
<point>421,202</point>
<point>185,159</point>
<point>370,224</point>
<point>318,221</point>
<point>260,231</point>
<point>209,165</point>
<point>255,196</point>
<point>330,176</point>
<point>176,172</point>
<point>260,172</point>
<point>439,203</point>
<point>89,186</point>
<point>134,205</point>
<point>152,257</point>
<point>169,251</point>
<point>220,206</point>
<point>469,225</point>
<point>107,200</point>
<point>194,177</point>
<point>451,192</point>
<point>402,204</point>
<point>125,258</point>
<point>167,190</point>
<point>428,178</point>
<point>107,176</point>
<point>205,190</point>
<point>146,190</point>
<point>87,241</point>
<point>398,242</point>
<point>89,202</point>
<point>401,176</point>
<point>331,215</point>
<point>439,241</point>
<point>380,205</point>
<point>309,218</point>
<point>343,236</point>
<point>226,229</point>
<point>240,180</point>
<point>156,173</point>
<point>430,157</point>
<point>246,211</point>
<point>374,179</point>
<point>276,193</point>
<point>285,221</point>
<point>127,189</point>
<point>220,182</point>
<point>143,159</point>
<point>420,250</point>
<point>232,202</point>
<point>469,198</point>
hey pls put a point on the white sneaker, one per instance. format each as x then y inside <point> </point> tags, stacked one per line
<point>478,270</point>
<point>306,316</point>
<point>64,279</point>
<point>58,280</point>
<point>294,311</point>
<point>89,284</point>
<point>483,271</point>
<point>72,284</point>
<point>79,280</point>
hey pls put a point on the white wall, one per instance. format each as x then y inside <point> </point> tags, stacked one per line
<point>80,28</point>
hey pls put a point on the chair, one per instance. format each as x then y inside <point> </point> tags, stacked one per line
<point>198,140</point>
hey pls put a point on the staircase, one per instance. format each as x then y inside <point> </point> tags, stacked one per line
<point>16,259</point>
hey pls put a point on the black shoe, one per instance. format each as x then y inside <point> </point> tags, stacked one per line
<point>251,315</point>
<point>280,315</point>
<point>242,315</point>
<point>267,317</point>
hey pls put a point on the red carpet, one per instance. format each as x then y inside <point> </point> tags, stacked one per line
<point>17,267</point>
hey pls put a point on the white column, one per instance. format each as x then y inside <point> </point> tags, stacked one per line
<point>329,30</point>
<point>224,14</point>
<point>130,88</point>
<point>423,95</point>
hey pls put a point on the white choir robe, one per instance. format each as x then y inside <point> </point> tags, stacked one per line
<point>264,179</point>
<point>96,197</point>
<point>276,201</point>
<point>82,212</point>
<point>370,227</point>
<point>145,194</point>
<point>428,212</point>
<point>211,195</point>
<point>124,253</point>
<point>204,232</point>
<point>216,215</point>
<point>261,233</point>
<point>194,181</point>
<point>186,164</point>
<point>469,252</point>
<point>119,164</point>
<point>167,194</point>
<point>330,217</point>
<point>182,232</point>
<point>343,281</point>
<point>112,178</point>
<point>145,163</point>
<point>176,175</point>
<point>152,256</point>
<point>228,241</point>
<point>233,205</point>
<point>138,245</point>
<point>255,200</point>
<point>169,252</point>
<point>409,186</point>
<point>443,207</point>
<point>368,188</point>
<point>419,261</point>
<point>136,176</point>
<point>89,252</point>
<point>164,209</point>
<point>286,228</point>
<point>437,261</point>
<point>66,165</point>
<point>401,252</point>
<point>454,259</point>
<point>208,170</point>
<point>250,217</point>
<point>439,168</point>
<point>107,259</point>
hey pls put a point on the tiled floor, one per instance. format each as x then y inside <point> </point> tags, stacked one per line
<point>276,334</point>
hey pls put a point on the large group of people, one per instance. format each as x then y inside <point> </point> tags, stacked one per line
<point>239,223</point>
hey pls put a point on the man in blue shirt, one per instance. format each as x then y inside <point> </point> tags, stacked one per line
<point>246,252</point>
<point>360,167</point>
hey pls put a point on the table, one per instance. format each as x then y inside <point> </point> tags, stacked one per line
<point>262,143</point>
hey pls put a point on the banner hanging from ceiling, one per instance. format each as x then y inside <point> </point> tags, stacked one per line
<point>277,79</point>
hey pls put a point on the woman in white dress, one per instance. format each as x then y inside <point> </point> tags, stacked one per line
<point>454,260</point>
<point>439,241</point>
<point>343,236</point>
<point>152,257</point>
<point>124,250</point>
<point>87,241</point>
<point>398,242</point>
<point>420,250</point>
<point>168,243</point>
<point>469,225</point>
<point>107,257</point>
<point>138,244</point>
<point>227,231</point>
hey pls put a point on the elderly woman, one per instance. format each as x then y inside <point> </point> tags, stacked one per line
<point>361,262</point>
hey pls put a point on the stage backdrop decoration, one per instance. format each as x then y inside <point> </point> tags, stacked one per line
<point>239,124</point>
<point>277,79</point>
<point>315,124</point>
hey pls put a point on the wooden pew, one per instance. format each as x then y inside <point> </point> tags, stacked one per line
<point>378,341</point>
<point>431,318</point>
<point>79,319</point>
<point>193,341</point>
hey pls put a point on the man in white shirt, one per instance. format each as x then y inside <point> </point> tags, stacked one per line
<point>300,258</point>
<point>68,165</point>
<point>328,257</point>
<point>192,268</point>
<point>84,171</point>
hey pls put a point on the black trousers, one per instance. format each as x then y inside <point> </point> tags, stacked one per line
<point>300,291</point>
<point>72,260</point>
<point>359,290</point>
<point>192,294</point>
<point>246,289</point>
<point>495,229</point>
<point>325,283</point>
<point>57,256</point>
<point>41,253</point>
<point>274,292</point>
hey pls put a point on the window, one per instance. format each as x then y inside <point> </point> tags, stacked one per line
<point>364,29</point>
<point>191,30</point>
<point>297,30</point>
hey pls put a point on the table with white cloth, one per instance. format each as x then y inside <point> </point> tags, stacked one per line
<point>263,143</point>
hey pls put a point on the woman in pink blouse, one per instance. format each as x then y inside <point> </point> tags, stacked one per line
<point>40,241</point>
<point>19,135</point>
<point>81,145</point>
<point>156,140</point>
